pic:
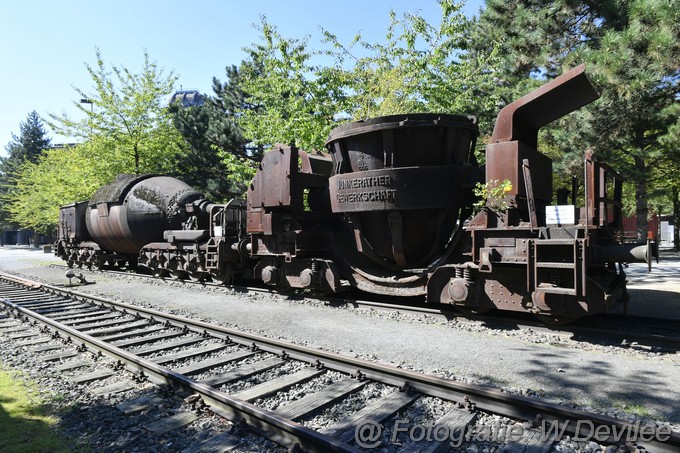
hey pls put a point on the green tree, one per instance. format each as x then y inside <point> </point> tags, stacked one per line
<point>126,130</point>
<point>232,100</point>
<point>631,51</point>
<point>420,67</point>
<point>27,147</point>
<point>60,176</point>
<point>230,97</point>
<point>296,96</point>
<point>219,156</point>
<point>240,172</point>
<point>289,98</point>
<point>127,115</point>
<point>210,130</point>
<point>670,172</point>
<point>638,70</point>
<point>30,143</point>
<point>203,128</point>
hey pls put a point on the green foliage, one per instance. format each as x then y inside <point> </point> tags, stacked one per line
<point>492,195</point>
<point>631,49</point>
<point>637,69</point>
<point>420,67</point>
<point>240,172</point>
<point>125,130</point>
<point>290,100</point>
<point>27,147</point>
<point>127,116</point>
<point>30,143</point>
<point>296,98</point>
<point>60,176</point>
<point>206,128</point>
<point>230,97</point>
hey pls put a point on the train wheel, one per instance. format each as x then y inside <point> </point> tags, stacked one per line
<point>176,269</point>
<point>198,276</point>
<point>159,272</point>
<point>554,320</point>
<point>223,276</point>
<point>178,275</point>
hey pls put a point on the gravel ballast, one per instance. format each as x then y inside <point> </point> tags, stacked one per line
<point>613,380</point>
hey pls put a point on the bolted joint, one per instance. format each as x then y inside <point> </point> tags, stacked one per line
<point>459,289</point>
<point>270,275</point>
<point>307,278</point>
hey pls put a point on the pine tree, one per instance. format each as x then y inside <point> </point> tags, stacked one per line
<point>211,130</point>
<point>206,130</point>
<point>637,69</point>
<point>631,50</point>
<point>27,147</point>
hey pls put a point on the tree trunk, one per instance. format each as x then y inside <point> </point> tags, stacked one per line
<point>136,158</point>
<point>676,217</point>
<point>641,209</point>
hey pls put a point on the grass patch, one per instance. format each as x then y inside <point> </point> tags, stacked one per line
<point>634,409</point>
<point>25,420</point>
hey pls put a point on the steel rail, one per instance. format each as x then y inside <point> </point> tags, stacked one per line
<point>486,399</point>
<point>278,429</point>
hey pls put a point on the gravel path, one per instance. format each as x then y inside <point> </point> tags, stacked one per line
<point>609,379</point>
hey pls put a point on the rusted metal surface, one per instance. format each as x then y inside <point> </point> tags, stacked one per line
<point>531,203</point>
<point>72,225</point>
<point>72,231</point>
<point>398,189</point>
<point>604,189</point>
<point>521,119</point>
<point>288,220</point>
<point>504,161</point>
<point>402,180</point>
<point>285,173</point>
<point>133,211</point>
<point>564,271</point>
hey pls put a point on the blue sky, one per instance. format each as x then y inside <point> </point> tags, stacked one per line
<point>45,44</point>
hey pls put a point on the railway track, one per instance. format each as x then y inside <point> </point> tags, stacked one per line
<point>242,376</point>
<point>640,332</point>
